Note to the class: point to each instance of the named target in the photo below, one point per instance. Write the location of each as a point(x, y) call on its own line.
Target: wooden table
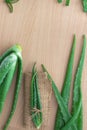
point(45, 31)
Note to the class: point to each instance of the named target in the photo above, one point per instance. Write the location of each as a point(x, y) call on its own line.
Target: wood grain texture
point(45, 31)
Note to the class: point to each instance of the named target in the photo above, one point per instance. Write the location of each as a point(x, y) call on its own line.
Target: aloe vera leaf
point(84, 2)
point(5, 86)
point(64, 110)
point(67, 2)
point(59, 1)
point(9, 4)
point(59, 122)
point(77, 117)
point(5, 65)
point(35, 100)
point(17, 50)
point(77, 88)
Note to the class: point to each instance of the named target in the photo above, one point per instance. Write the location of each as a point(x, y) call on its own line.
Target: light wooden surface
point(45, 31)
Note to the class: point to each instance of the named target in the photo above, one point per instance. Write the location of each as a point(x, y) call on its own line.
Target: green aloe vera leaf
point(64, 110)
point(35, 101)
point(5, 65)
point(77, 116)
point(77, 87)
point(67, 2)
point(10, 4)
point(16, 49)
point(84, 2)
point(59, 122)
point(5, 86)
